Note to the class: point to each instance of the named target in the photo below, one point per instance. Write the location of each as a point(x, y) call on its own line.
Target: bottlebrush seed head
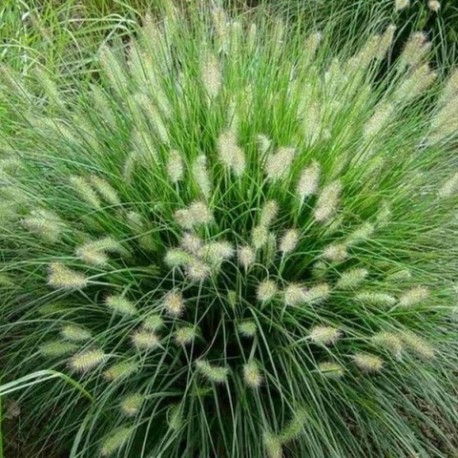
point(367, 362)
point(57, 348)
point(325, 335)
point(201, 175)
point(360, 234)
point(196, 214)
point(106, 191)
point(213, 373)
point(131, 404)
point(289, 241)
point(175, 168)
point(116, 440)
point(247, 328)
point(175, 257)
point(153, 322)
point(331, 370)
point(175, 417)
point(352, 278)
point(246, 256)
point(191, 243)
point(335, 252)
point(173, 303)
point(450, 187)
point(121, 305)
point(264, 144)
point(145, 340)
point(198, 270)
point(121, 370)
point(317, 293)
point(434, 5)
point(268, 213)
point(401, 4)
point(44, 224)
point(252, 375)
point(308, 181)
point(85, 191)
point(215, 253)
point(414, 296)
point(415, 49)
point(418, 345)
point(186, 335)
point(87, 360)
point(327, 202)
point(266, 290)
point(230, 153)
point(211, 75)
point(389, 341)
point(62, 277)
point(278, 164)
point(259, 236)
point(294, 294)
point(382, 114)
point(273, 445)
point(92, 256)
point(75, 333)
point(375, 298)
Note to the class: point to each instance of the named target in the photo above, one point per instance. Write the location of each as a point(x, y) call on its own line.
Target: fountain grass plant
point(235, 243)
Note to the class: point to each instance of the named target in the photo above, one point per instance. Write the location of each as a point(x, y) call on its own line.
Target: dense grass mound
point(233, 243)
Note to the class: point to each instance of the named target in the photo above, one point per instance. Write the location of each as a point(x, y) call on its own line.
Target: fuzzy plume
point(352, 278)
point(278, 164)
point(75, 333)
point(230, 153)
point(289, 241)
point(325, 335)
point(213, 373)
point(269, 212)
point(44, 224)
point(294, 294)
point(308, 181)
point(116, 440)
point(252, 375)
point(246, 256)
point(121, 305)
point(331, 370)
point(266, 290)
point(367, 362)
point(175, 168)
point(88, 360)
point(201, 175)
point(145, 340)
point(62, 277)
point(173, 303)
point(131, 404)
point(85, 191)
point(211, 75)
point(327, 201)
point(121, 370)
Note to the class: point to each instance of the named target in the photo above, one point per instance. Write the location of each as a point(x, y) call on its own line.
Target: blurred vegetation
point(351, 17)
point(68, 32)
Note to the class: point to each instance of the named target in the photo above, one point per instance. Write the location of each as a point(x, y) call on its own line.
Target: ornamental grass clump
point(239, 248)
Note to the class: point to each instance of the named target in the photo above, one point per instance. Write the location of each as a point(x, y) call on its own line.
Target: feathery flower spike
point(62, 277)
point(278, 164)
point(367, 362)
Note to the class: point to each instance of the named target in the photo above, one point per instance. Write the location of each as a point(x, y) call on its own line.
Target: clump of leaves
point(236, 243)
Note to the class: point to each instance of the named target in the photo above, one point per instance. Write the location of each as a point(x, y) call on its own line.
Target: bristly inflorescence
point(230, 237)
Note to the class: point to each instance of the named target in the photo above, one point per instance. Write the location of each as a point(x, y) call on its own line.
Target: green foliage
point(235, 243)
point(438, 19)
